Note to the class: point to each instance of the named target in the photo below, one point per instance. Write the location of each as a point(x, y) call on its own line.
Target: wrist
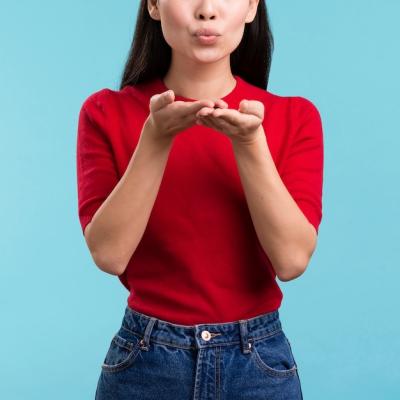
point(151, 133)
point(249, 139)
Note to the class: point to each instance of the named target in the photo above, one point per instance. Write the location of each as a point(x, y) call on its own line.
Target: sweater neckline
point(229, 96)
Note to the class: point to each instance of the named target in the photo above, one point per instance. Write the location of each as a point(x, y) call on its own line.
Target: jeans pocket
point(273, 355)
point(122, 351)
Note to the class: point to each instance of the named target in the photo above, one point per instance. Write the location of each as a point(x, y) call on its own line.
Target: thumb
point(253, 107)
point(244, 106)
point(160, 100)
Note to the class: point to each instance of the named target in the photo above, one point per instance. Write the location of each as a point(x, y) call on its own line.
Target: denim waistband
point(242, 332)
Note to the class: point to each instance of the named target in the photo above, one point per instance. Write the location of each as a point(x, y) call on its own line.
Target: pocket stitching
point(122, 342)
point(272, 371)
point(132, 348)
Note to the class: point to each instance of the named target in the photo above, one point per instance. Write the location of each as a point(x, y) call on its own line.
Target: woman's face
point(181, 18)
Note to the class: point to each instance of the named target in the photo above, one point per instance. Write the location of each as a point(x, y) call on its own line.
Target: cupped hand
point(239, 125)
point(169, 117)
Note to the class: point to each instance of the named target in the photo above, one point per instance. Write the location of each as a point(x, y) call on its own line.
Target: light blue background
point(59, 311)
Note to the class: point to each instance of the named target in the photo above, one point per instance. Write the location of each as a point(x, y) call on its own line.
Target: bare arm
point(118, 225)
point(284, 232)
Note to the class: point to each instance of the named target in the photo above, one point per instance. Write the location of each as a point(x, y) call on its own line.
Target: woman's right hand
point(169, 117)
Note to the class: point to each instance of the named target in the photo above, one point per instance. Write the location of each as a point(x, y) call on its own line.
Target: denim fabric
point(152, 359)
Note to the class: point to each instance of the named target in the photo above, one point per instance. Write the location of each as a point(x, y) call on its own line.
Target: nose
point(206, 16)
point(206, 10)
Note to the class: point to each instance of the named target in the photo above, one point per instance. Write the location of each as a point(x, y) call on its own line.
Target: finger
point(220, 124)
point(231, 116)
point(191, 109)
point(204, 121)
point(160, 100)
point(197, 105)
point(252, 107)
point(219, 112)
point(205, 111)
point(221, 103)
point(210, 122)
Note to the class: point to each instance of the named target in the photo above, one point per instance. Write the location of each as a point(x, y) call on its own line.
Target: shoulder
point(289, 111)
point(97, 98)
point(100, 100)
point(303, 107)
point(103, 107)
point(97, 114)
point(95, 106)
point(297, 110)
point(293, 105)
point(109, 102)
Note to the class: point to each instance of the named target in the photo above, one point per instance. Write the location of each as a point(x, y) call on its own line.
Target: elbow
point(296, 267)
point(289, 273)
point(102, 259)
point(108, 265)
point(289, 276)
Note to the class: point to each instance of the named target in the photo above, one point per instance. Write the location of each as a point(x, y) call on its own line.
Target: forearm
point(284, 232)
point(118, 225)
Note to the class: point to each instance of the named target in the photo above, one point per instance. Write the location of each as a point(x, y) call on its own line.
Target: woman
point(197, 187)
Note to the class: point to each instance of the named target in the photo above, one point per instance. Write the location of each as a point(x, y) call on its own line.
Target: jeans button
point(206, 335)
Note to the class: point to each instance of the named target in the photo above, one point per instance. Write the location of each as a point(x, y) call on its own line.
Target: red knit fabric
point(199, 259)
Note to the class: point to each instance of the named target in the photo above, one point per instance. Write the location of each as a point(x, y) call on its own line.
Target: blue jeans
point(152, 359)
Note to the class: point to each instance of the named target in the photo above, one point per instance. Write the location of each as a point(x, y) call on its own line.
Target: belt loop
point(145, 342)
point(245, 344)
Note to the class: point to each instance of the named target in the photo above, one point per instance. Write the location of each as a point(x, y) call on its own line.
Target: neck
point(191, 80)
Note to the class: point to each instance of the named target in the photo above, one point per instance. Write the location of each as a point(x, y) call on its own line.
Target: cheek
point(235, 25)
point(235, 17)
point(175, 27)
point(234, 39)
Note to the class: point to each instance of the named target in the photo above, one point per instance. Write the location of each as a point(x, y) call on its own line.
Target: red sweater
point(199, 259)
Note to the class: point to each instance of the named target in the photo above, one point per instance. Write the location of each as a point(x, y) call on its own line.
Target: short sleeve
point(95, 165)
point(303, 170)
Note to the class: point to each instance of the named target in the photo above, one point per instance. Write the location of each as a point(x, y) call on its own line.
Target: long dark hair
point(150, 55)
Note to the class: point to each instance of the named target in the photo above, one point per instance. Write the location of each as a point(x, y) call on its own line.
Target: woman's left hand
point(239, 125)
